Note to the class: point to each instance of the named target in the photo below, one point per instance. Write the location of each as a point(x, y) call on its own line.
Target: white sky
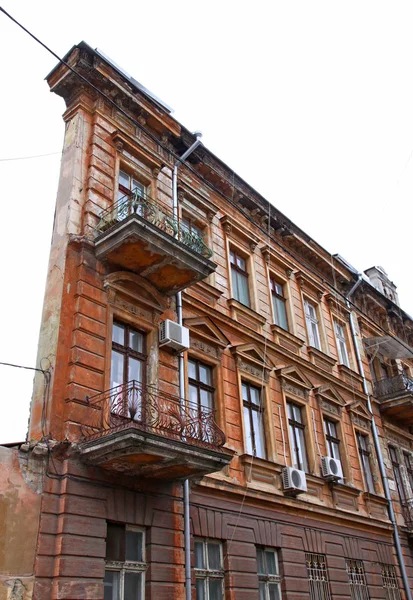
point(311, 102)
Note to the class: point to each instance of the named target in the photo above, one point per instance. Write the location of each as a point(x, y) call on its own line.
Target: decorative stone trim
point(251, 360)
point(345, 497)
point(320, 359)
point(206, 337)
point(123, 141)
point(234, 229)
point(286, 339)
point(261, 471)
point(351, 377)
point(293, 381)
point(309, 285)
point(205, 292)
point(376, 506)
point(360, 415)
point(245, 315)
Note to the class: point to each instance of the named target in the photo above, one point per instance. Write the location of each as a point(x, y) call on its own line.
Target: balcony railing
point(393, 386)
point(156, 214)
point(144, 408)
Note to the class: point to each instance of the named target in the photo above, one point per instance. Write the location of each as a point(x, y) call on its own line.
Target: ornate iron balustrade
point(154, 213)
point(391, 386)
point(143, 407)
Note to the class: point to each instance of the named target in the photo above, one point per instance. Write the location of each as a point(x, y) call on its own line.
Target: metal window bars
point(317, 576)
point(134, 405)
point(141, 205)
point(357, 579)
point(390, 584)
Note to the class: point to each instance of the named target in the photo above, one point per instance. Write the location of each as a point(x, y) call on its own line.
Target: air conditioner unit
point(294, 481)
point(173, 335)
point(331, 468)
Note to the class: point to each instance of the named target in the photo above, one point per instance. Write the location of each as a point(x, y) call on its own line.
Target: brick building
point(273, 456)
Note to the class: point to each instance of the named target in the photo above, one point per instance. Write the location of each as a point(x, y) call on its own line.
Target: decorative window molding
point(321, 359)
point(237, 231)
point(295, 382)
point(277, 263)
point(250, 360)
point(329, 400)
point(309, 285)
point(205, 292)
point(126, 144)
point(206, 337)
point(360, 415)
point(195, 203)
point(246, 315)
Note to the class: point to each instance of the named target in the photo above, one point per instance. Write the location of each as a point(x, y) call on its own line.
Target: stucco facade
point(266, 311)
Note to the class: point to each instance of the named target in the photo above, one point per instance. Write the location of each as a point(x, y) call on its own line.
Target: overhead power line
point(28, 157)
point(298, 259)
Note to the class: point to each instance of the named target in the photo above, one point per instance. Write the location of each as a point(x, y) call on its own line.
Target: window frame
point(260, 410)
point(127, 566)
point(293, 424)
point(357, 579)
point(395, 462)
point(365, 458)
point(274, 282)
point(408, 463)
point(342, 343)
point(332, 440)
point(390, 581)
point(206, 574)
point(310, 321)
point(268, 579)
point(128, 352)
point(123, 190)
point(319, 585)
point(199, 385)
point(234, 251)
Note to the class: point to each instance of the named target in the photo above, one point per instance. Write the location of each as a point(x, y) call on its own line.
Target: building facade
point(294, 366)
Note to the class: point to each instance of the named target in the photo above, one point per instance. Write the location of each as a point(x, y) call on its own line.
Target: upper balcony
point(141, 235)
point(396, 397)
point(140, 431)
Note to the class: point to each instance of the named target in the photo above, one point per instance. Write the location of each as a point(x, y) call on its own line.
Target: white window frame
point(266, 578)
point(341, 341)
point(207, 574)
point(312, 323)
point(127, 566)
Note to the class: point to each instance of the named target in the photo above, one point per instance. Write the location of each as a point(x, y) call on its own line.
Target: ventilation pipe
point(187, 526)
point(377, 446)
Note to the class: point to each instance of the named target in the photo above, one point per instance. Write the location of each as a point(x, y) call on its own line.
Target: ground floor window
point(125, 563)
point(209, 570)
point(317, 576)
point(357, 579)
point(269, 580)
point(390, 585)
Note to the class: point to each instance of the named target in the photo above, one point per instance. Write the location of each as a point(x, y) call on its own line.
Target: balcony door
point(127, 374)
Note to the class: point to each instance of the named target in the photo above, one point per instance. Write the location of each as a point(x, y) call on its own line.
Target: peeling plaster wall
point(20, 499)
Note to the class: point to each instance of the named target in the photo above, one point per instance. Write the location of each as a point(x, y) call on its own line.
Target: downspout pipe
point(377, 447)
point(187, 525)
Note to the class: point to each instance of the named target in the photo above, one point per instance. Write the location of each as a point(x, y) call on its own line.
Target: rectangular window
point(408, 461)
point(364, 453)
point(239, 278)
point(269, 580)
point(279, 304)
point(357, 579)
point(312, 325)
point(128, 355)
point(390, 584)
point(209, 570)
point(125, 563)
point(128, 184)
point(332, 439)
point(341, 344)
point(201, 390)
point(317, 576)
point(397, 474)
point(297, 436)
point(253, 420)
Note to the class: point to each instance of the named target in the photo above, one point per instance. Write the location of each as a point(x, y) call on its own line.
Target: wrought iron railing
point(156, 214)
point(391, 386)
point(143, 407)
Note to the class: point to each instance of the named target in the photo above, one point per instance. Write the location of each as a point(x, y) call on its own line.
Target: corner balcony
point(141, 431)
point(140, 235)
point(396, 397)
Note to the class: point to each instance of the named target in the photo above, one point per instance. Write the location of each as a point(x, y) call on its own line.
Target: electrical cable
point(29, 157)
point(300, 259)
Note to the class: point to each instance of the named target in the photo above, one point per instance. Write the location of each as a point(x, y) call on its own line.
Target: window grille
point(390, 584)
point(317, 576)
point(357, 579)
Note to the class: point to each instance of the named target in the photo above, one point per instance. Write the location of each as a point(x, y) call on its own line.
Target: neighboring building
point(273, 429)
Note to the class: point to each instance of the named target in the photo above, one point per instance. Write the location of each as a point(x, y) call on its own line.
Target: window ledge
point(261, 470)
point(315, 486)
point(376, 506)
point(350, 376)
point(245, 315)
point(286, 339)
point(345, 496)
point(320, 359)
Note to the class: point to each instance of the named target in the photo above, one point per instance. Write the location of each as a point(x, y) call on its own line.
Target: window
point(201, 391)
point(397, 474)
point(357, 579)
point(408, 461)
point(364, 453)
point(312, 325)
point(128, 184)
point(390, 585)
point(253, 413)
point(317, 576)
point(341, 344)
point(278, 304)
point(269, 580)
point(209, 571)
point(297, 436)
point(128, 355)
point(125, 563)
point(239, 278)
point(332, 439)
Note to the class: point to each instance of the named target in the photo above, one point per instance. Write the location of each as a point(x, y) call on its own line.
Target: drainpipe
point(187, 527)
point(377, 447)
